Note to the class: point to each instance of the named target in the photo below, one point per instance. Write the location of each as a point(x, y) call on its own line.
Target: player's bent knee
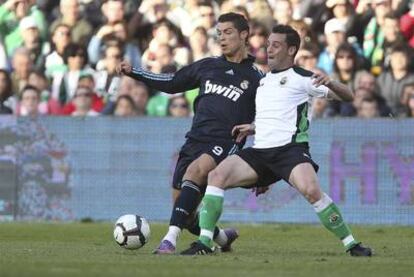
point(217, 178)
point(312, 193)
point(195, 172)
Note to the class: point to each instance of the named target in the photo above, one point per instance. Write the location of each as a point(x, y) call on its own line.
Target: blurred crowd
point(59, 57)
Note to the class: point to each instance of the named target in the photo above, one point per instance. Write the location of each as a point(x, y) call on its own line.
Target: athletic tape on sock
point(322, 203)
point(206, 233)
point(214, 191)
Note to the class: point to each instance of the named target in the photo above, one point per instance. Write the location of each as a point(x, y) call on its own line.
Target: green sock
point(212, 206)
point(331, 218)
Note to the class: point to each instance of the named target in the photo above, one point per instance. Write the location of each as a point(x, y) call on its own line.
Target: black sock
point(194, 229)
point(186, 204)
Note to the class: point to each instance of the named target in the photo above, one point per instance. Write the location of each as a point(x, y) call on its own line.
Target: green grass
point(88, 249)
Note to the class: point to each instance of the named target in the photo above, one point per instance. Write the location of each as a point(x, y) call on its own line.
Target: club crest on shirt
point(244, 84)
point(283, 81)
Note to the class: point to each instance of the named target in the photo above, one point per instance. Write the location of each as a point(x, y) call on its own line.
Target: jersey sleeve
point(186, 78)
point(312, 90)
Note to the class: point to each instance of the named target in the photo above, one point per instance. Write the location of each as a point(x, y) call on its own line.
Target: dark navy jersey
point(226, 97)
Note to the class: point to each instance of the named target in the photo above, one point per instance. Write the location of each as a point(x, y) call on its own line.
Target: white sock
point(173, 234)
point(221, 238)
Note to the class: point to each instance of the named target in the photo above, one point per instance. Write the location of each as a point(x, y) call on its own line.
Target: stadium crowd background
point(59, 57)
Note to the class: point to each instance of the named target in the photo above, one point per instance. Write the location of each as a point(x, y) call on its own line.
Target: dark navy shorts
point(274, 164)
point(193, 149)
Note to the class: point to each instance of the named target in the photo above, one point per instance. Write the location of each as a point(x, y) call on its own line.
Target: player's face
point(229, 38)
point(279, 55)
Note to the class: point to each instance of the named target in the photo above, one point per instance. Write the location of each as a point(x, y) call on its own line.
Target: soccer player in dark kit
point(226, 98)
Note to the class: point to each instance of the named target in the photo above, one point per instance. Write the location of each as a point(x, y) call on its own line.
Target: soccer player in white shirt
point(280, 150)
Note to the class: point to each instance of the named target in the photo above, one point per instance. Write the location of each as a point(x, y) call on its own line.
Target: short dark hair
point(238, 20)
point(292, 36)
point(29, 87)
point(74, 49)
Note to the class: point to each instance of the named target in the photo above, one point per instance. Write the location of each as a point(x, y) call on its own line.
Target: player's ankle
point(206, 241)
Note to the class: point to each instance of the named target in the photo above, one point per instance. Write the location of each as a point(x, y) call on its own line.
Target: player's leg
point(192, 188)
point(232, 172)
point(303, 177)
point(193, 172)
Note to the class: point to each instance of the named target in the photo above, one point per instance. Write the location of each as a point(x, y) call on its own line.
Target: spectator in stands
point(29, 103)
point(38, 80)
point(408, 92)
point(183, 16)
point(407, 25)
point(105, 35)
point(374, 35)
point(33, 42)
point(163, 58)
point(178, 106)
point(106, 67)
point(345, 12)
point(366, 81)
point(22, 65)
point(64, 85)
point(307, 57)
point(206, 17)
point(83, 102)
point(257, 37)
point(199, 44)
point(282, 12)
point(86, 80)
point(11, 12)
point(125, 106)
point(368, 109)
point(165, 33)
point(335, 36)
point(81, 29)
point(140, 95)
point(5, 91)
point(392, 81)
point(410, 106)
point(345, 65)
point(307, 36)
point(60, 38)
point(4, 61)
point(320, 108)
point(392, 36)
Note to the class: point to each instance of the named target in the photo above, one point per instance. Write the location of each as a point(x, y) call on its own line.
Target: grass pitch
point(88, 249)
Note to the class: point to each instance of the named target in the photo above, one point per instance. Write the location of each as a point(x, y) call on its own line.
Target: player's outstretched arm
point(240, 132)
point(181, 81)
point(337, 90)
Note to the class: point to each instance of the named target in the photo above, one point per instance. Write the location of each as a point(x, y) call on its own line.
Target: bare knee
point(196, 173)
point(217, 178)
point(312, 193)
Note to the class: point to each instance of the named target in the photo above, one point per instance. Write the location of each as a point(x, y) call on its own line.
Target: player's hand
point(239, 132)
point(320, 78)
point(124, 67)
point(260, 190)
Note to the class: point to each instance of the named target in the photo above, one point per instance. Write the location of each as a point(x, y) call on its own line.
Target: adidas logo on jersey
point(231, 92)
point(230, 72)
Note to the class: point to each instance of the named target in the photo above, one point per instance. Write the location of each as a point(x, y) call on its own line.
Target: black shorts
point(193, 149)
point(274, 164)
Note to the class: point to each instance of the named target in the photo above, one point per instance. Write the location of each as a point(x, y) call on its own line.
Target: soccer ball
point(131, 231)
